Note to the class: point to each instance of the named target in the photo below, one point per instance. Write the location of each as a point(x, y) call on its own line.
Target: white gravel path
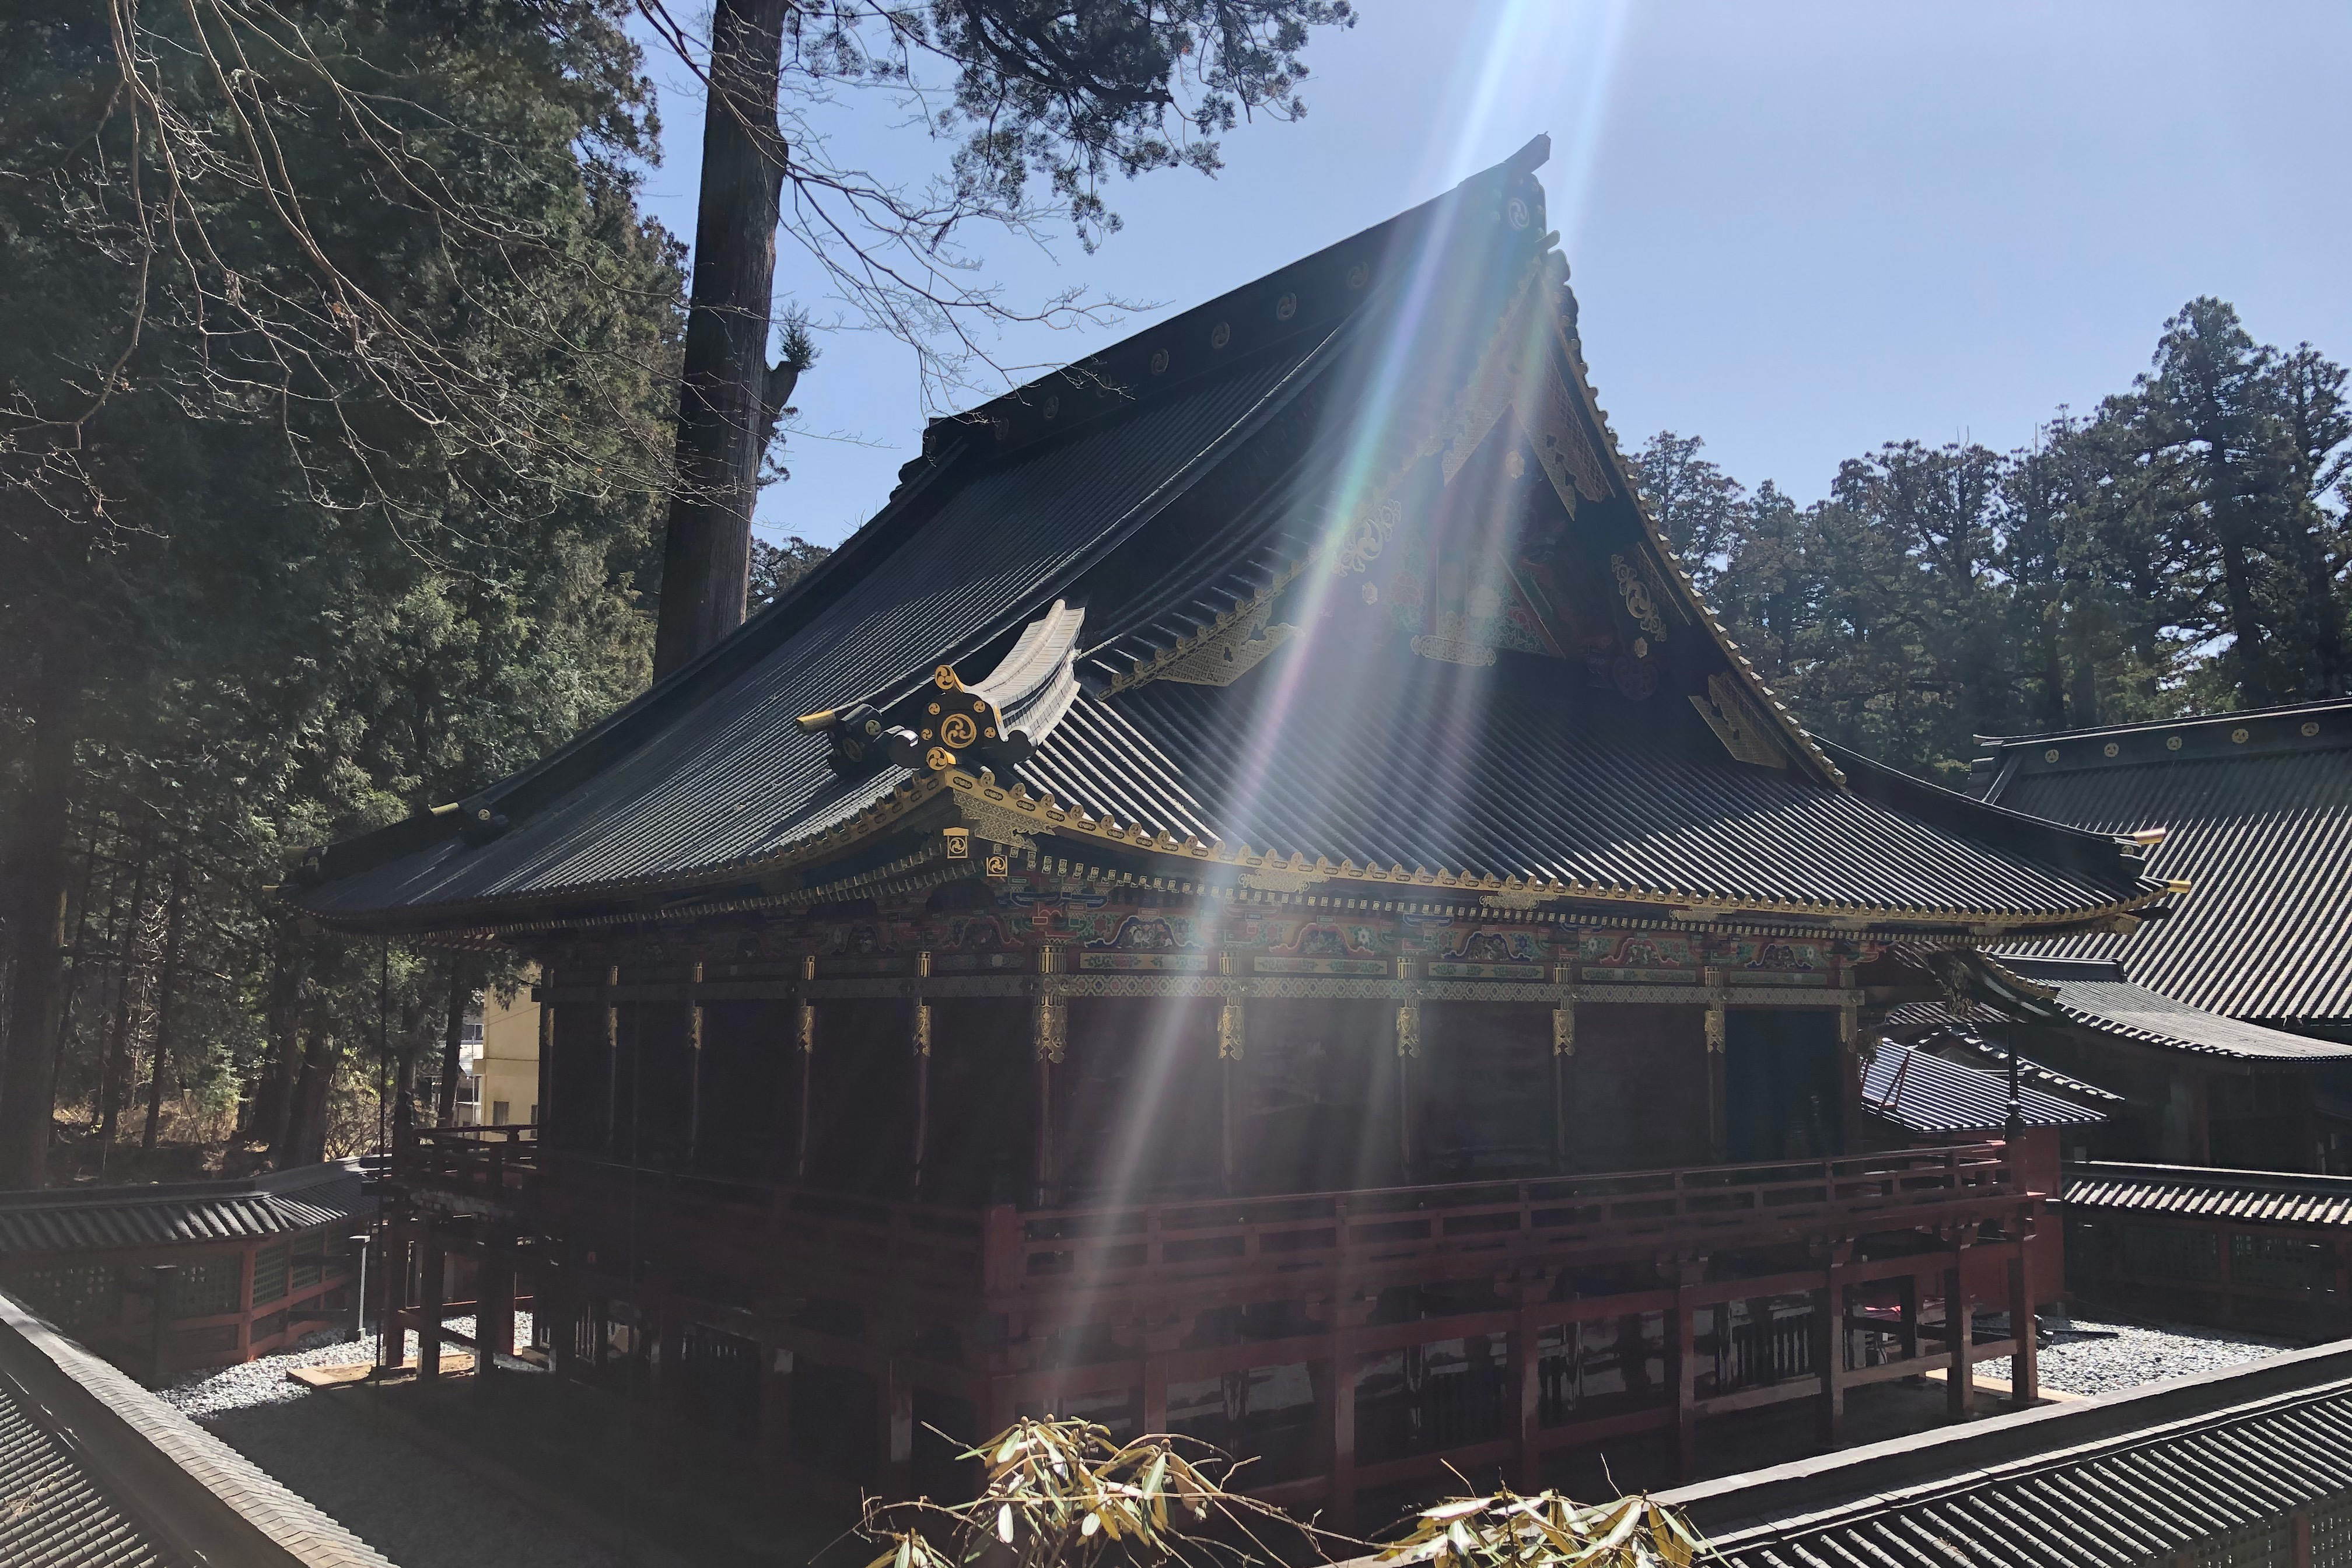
point(2091, 1355)
point(415, 1506)
point(201, 1395)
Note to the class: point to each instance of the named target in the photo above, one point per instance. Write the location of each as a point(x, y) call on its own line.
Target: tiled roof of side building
point(1245, 463)
point(2256, 809)
point(96, 1219)
point(1929, 1096)
point(2097, 996)
point(2199, 1192)
point(2207, 1468)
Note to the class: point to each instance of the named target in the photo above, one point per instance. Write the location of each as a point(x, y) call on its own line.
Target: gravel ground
point(2090, 1355)
point(204, 1394)
point(416, 1506)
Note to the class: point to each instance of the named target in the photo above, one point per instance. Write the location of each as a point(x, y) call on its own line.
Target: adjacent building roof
point(1929, 1096)
point(1359, 591)
point(96, 1472)
point(2203, 1465)
point(2254, 1198)
point(98, 1219)
point(2094, 994)
point(2257, 810)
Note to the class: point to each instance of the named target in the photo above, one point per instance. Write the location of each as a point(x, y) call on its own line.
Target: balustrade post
point(1526, 1369)
point(1830, 1344)
point(1682, 1372)
point(434, 1274)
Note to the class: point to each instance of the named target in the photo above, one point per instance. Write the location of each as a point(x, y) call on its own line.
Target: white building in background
point(500, 1053)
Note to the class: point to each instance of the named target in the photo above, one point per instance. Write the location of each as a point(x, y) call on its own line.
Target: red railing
point(495, 1163)
point(1009, 1253)
point(1149, 1245)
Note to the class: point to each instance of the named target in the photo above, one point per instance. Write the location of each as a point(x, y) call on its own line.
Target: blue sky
point(1799, 230)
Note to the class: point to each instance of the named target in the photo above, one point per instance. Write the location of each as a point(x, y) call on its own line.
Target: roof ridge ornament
point(950, 723)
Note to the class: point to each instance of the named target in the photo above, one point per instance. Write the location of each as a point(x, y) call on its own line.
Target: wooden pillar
point(694, 1067)
point(1853, 1050)
point(1718, 1135)
point(433, 1275)
point(2300, 1523)
point(2025, 1363)
point(1958, 1370)
point(1408, 1051)
point(538, 1112)
point(612, 1061)
point(776, 1415)
point(1232, 1029)
point(1563, 1069)
point(918, 1032)
point(804, 1035)
point(1909, 1333)
point(245, 1301)
point(1051, 1037)
point(898, 1410)
point(1829, 1344)
point(392, 1265)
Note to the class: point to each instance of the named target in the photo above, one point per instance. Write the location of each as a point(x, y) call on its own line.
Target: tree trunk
point(306, 1106)
point(723, 415)
point(461, 997)
point(273, 1103)
point(36, 905)
point(164, 997)
point(114, 1065)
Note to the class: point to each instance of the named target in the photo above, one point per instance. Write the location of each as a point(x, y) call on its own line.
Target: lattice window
point(207, 1289)
point(2163, 1252)
point(2267, 1545)
point(270, 1271)
point(2280, 1262)
point(2331, 1534)
point(75, 1296)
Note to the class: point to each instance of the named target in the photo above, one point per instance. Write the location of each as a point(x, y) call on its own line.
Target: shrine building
point(1251, 900)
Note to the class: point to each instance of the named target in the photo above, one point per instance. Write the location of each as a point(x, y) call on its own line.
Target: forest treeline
point(2182, 548)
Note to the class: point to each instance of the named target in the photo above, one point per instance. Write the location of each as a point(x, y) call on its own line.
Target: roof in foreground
point(1927, 1095)
point(98, 1219)
point(96, 1472)
point(1359, 591)
point(2114, 1481)
point(2198, 1192)
point(2256, 809)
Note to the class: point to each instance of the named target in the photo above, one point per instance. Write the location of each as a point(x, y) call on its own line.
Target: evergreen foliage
point(2183, 549)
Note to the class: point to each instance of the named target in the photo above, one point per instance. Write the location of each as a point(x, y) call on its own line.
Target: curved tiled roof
point(1173, 486)
point(2256, 809)
point(96, 1219)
